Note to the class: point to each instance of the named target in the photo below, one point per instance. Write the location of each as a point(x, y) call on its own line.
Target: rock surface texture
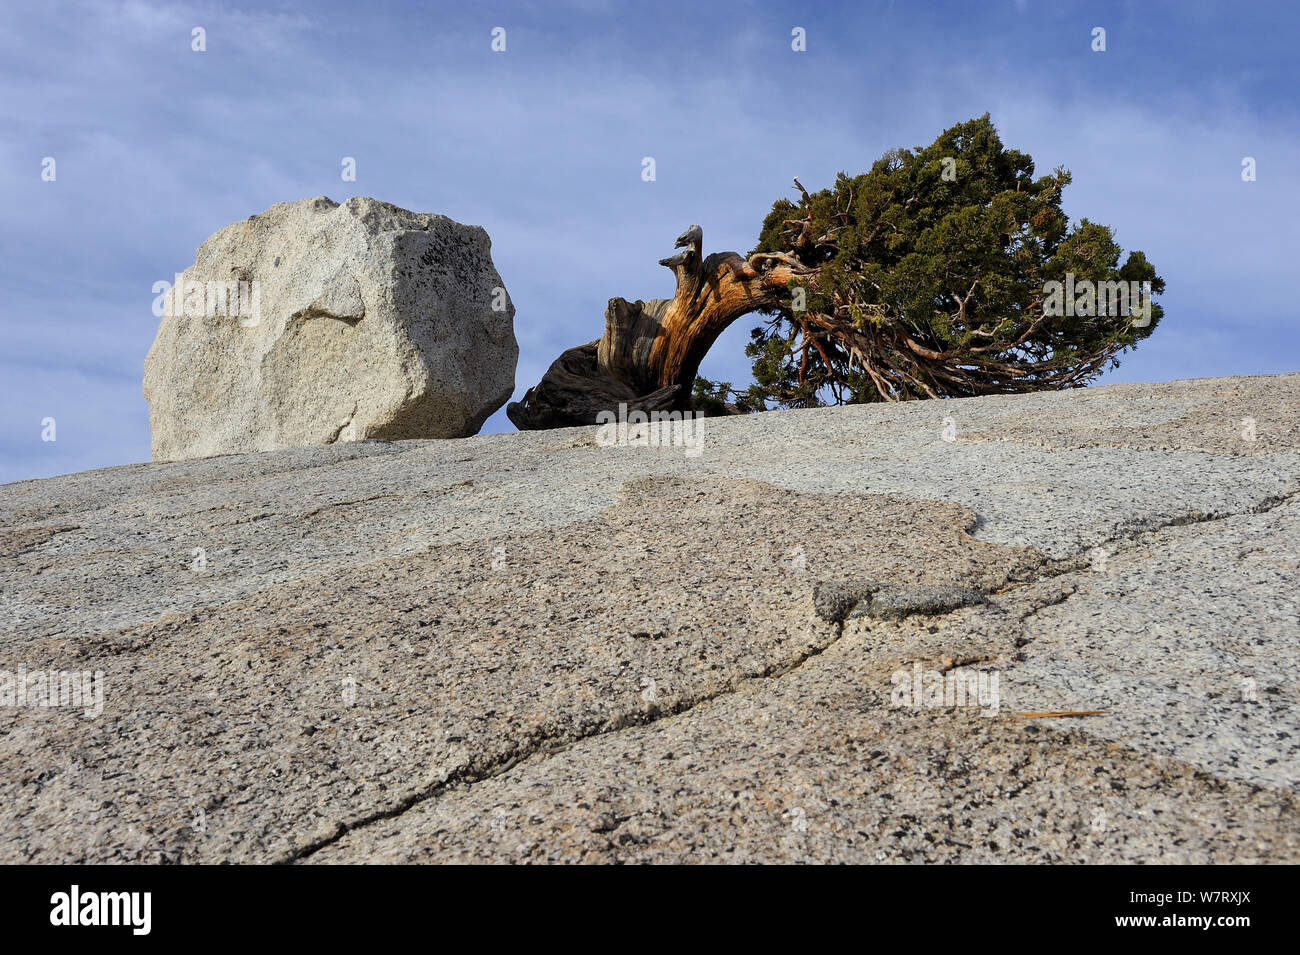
point(318, 323)
point(536, 648)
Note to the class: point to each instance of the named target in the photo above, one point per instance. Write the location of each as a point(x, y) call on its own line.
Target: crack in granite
point(557, 745)
point(544, 747)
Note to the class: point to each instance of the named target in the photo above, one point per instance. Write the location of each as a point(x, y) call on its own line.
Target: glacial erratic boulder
point(313, 323)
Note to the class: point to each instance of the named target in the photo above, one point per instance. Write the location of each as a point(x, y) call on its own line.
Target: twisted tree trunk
point(651, 351)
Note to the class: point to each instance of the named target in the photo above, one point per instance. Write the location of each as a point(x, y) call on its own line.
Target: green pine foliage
point(929, 277)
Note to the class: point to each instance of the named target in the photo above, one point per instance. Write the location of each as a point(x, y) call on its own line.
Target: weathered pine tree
point(941, 272)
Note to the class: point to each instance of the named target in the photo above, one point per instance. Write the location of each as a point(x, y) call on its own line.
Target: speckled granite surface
point(531, 647)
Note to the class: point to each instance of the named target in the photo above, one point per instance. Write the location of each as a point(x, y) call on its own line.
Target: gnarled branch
point(651, 351)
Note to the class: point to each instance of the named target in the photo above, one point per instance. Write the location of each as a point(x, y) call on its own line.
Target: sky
point(157, 146)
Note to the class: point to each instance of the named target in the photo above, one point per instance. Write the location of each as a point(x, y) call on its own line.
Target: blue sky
point(158, 146)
